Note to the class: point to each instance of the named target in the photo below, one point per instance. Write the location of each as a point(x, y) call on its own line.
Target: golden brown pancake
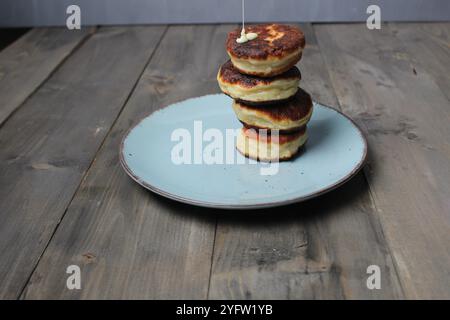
point(264, 146)
point(287, 116)
point(276, 49)
point(256, 90)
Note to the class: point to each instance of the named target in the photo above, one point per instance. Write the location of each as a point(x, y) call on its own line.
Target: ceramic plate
point(335, 151)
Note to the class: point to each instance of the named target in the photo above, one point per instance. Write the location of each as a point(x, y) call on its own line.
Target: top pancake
point(274, 40)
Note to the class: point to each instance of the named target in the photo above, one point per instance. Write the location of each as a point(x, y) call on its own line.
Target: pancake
point(286, 116)
point(263, 146)
point(276, 49)
point(256, 90)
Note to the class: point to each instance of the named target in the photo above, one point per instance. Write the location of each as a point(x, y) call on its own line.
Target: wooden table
point(67, 98)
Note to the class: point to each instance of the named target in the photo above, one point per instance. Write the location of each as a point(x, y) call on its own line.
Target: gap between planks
point(364, 173)
point(93, 160)
point(407, 234)
point(35, 149)
point(14, 106)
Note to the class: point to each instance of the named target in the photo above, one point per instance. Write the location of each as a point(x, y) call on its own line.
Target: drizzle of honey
point(245, 36)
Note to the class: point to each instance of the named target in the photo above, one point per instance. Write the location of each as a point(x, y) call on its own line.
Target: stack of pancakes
point(263, 80)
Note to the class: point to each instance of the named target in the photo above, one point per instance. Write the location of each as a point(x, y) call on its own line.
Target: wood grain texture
point(129, 242)
point(319, 249)
point(29, 61)
point(406, 117)
point(428, 48)
point(49, 143)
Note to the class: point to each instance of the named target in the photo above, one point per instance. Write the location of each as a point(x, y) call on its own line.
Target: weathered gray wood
point(129, 242)
point(406, 118)
point(133, 244)
point(49, 143)
point(427, 46)
point(318, 249)
point(29, 61)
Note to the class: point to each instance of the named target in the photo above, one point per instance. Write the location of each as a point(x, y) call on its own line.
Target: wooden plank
point(128, 242)
point(406, 117)
point(319, 249)
point(428, 47)
point(29, 61)
point(48, 144)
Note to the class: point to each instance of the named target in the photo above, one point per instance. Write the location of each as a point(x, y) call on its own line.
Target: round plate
point(335, 151)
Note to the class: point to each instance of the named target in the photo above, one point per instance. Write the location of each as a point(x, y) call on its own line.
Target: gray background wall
point(105, 12)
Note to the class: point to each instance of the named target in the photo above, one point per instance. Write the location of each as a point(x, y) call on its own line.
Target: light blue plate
point(334, 152)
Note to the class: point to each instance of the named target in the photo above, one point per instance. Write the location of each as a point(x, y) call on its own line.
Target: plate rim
point(207, 204)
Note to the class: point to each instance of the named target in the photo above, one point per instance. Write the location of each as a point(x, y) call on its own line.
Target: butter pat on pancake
point(276, 49)
point(254, 89)
point(286, 116)
point(264, 146)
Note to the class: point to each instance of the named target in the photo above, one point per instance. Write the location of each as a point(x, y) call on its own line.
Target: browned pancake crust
point(259, 48)
point(293, 109)
point(289, 131)
point(228, 73)
point(252, 133)
point(260, 103)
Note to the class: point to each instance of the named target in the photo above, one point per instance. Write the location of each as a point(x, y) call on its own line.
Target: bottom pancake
point(269, 147)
